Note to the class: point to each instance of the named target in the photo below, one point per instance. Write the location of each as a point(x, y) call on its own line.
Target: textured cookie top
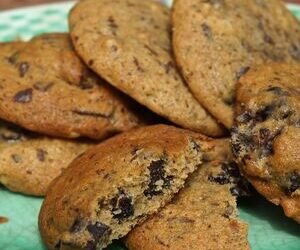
point(127, 42)
point(46, 88)
point(29, 162)
point(202, 216)
point(118, 184)
point(266, 136)
point(216, 41)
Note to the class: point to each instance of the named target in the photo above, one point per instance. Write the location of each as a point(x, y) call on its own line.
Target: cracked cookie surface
point(266, 134)
point(203, 215)
point(29, 162)
point(216, 41)
point(46, 88)
point(128, 43)
point(117, 185)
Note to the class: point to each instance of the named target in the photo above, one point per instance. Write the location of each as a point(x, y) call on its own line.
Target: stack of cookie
point(208, 67)
point(47, 90)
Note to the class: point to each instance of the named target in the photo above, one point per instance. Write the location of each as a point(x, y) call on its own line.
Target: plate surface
point(268, 228)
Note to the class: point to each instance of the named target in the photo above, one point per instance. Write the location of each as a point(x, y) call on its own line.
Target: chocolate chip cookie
point(266, 135)
point(46, 88)
point(128, 43)
point(217, 41)
point(116, 185)
point(203, 215)
point(29, 162)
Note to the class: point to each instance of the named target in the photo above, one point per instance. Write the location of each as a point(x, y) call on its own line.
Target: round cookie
point(215, 42)
point(203, 215)
point(46, 88)
point(266, 135)
point(128, 43)
point(116, 185)
point(29, 162)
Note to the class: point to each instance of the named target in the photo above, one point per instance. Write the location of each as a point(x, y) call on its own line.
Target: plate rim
point(71, 3)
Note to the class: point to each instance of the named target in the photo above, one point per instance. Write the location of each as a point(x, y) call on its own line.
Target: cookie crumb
point(23, 96)
point(3, 219)
point(23, 68)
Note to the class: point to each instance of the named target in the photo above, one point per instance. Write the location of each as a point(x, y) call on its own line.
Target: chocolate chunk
point(13, 58)
point(122, 206)
point(286, 113)
point(99, 231)
point(264, 134)
point(16, 158)
point(221, 178)
point(137, 64)
point(243, 139)
point(206, 31)
point(234, 129)
point(23, 68)
point(264, 113)
point(232, 169)
point(294, 181)
point(23, 96)
point(229, 100)
point(242, 71)
point(77, 226)
point(43, 87)
point(236, 148)
point(90, 113)
point(244, 117)
point(277, 90)
point(41, 154)
point(158, 179)
point(266, 139)
point(231, 175)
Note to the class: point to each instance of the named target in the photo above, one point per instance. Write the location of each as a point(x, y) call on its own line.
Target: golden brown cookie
point(128, 43)
point(217, 41)
point(29, 162)
point(46, 88)
point(117, 185)
point(266, 135)
point(203, 215)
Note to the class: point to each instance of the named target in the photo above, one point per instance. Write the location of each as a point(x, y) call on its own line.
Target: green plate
point(268, 228)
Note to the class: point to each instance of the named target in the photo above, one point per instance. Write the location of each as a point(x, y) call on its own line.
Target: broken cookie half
point(118, 184)
point(203, 215)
